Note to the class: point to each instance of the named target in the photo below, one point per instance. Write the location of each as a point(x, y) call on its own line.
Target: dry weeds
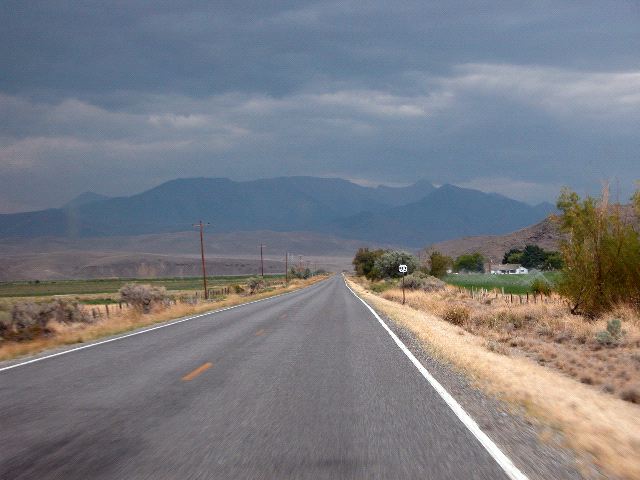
point(131, 319)
point(594, 422)
point(546, 333)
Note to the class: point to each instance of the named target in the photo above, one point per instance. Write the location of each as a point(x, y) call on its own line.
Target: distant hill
point(447, 212)
point(544, 234)
point(412, 216)
point(84, 199)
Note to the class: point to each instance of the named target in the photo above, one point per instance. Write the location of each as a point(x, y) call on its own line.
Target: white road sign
point(403, 269)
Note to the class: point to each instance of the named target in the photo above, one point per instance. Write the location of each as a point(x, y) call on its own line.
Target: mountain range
point(413, 216)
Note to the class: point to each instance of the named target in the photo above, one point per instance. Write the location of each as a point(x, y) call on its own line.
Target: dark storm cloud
point(119, 97)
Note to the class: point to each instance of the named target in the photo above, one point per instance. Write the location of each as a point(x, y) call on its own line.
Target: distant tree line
point(533, 256)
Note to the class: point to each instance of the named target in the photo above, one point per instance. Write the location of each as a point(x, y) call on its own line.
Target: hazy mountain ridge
point(448, 212)
point(414, 215)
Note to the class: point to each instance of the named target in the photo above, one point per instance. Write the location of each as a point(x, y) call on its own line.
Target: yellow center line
point(197, 371)
point(260, 332)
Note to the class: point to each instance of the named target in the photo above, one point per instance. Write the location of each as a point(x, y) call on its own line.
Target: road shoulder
point(533, 446)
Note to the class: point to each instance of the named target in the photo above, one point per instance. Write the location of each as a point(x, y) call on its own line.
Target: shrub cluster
point(541, 286)
point(457, 315)
point(613, 334)
point(29, 320)
point(302, 273)
point(143, 297)
point(378, 264)
point(255, 284)
point(422, 281)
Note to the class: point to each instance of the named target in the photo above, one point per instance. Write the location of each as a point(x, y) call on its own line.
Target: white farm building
point(508, 269)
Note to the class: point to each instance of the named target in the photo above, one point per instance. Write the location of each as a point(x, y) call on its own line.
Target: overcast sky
point(116, 97)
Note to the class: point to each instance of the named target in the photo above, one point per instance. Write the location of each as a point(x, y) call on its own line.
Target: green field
point(518, 284)
point(112, 285)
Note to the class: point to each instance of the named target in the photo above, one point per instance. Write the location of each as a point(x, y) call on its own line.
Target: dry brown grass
point(130, 320)
point(546, 333)
point(594, 423)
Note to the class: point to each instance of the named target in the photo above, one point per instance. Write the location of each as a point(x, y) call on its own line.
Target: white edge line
point(139, 332)
point(503, 461)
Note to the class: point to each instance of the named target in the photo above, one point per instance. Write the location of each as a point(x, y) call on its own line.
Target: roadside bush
point(433, 284)
point(631, 394)
point(142, 297)
point(30, 320)
point(612, 335)
point(380, 287)
point(456, 315)
point(387, 264)
point(601, 251)
point(414, 282)
point(541, 286)
point(364, 262)
point(237, 289)
point(301, 273)
point(255, 284)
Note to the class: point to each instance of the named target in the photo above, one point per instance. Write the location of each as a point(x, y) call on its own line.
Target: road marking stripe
point(172, 322)
point(197, 371)
point(503, 461)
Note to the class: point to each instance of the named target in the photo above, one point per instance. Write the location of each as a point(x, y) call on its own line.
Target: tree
point(471, 262)
point(364, 262)
point(601, 255)
point(533, 257)
point(387, 264)
point(553, 261)
point(512, 256)
point(439, 264)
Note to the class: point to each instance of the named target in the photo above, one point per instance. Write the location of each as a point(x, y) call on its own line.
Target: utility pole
point(261, 261)
point(286, 268)
point(204, 268)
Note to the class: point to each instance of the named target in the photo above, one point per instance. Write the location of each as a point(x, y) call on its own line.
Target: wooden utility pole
point(204, 268)
point(286, 268)
point(261, 261)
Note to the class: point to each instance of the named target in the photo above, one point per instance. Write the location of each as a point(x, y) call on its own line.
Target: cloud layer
point(118, 100)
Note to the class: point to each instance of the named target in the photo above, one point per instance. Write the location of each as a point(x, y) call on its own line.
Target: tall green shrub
point(364, 262)
point(471, 262)
point(439, 264)
point(601, 254)
point(389, 262)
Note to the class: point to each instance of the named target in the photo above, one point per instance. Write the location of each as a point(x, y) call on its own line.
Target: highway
point(305, 385)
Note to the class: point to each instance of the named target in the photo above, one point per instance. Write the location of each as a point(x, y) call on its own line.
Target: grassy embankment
point(131, 319)
point(516, 284)
point(539, 357)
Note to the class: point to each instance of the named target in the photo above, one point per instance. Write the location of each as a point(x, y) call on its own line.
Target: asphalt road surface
point(306, 385)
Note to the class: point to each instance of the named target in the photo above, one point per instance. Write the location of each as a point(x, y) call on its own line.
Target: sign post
point(403, 270)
